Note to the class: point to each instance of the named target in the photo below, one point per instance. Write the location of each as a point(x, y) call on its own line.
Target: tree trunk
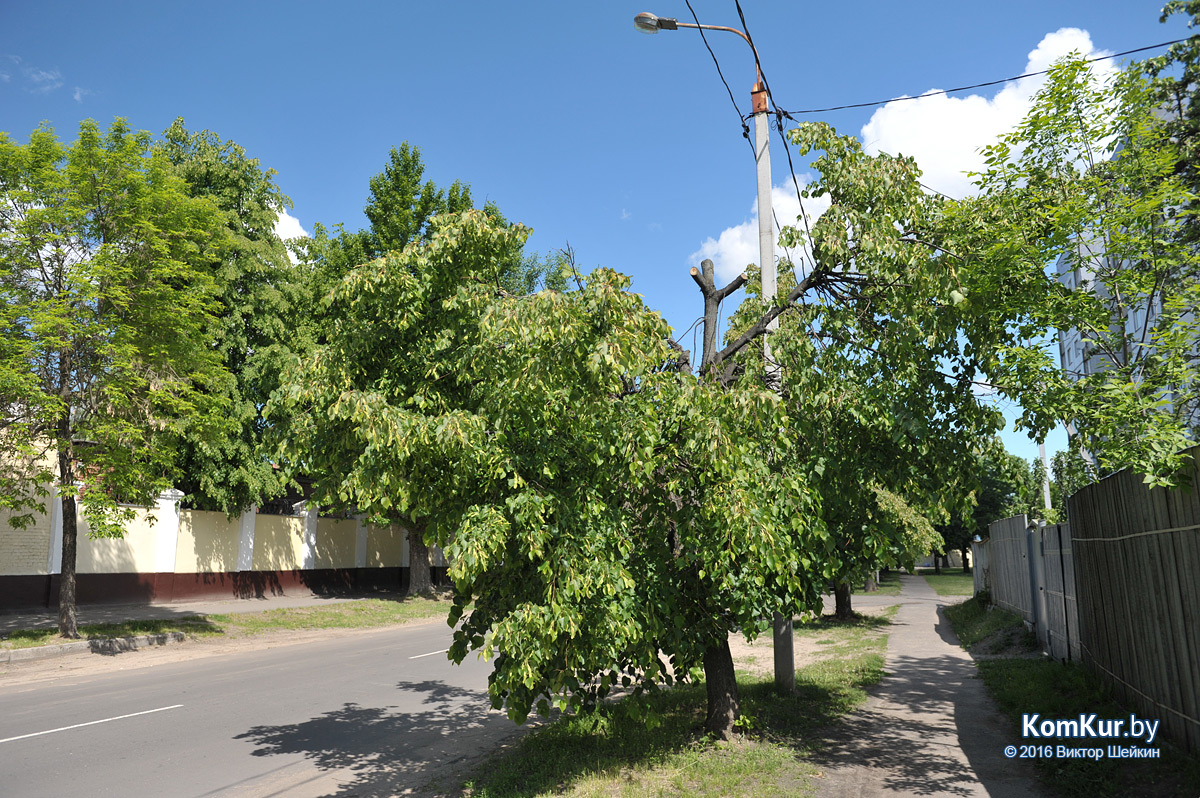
point(721, 687)
point(966, 562)
point(872, 582)
point(841, 594)
point(937, 563)
point(420, 582)
point(67, 625)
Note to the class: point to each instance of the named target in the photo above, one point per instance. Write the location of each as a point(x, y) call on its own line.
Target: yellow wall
point(386, 546)
point(208, 543)
point(278, 542)
point(25, 551)
point(336, 539)
point(133, 553)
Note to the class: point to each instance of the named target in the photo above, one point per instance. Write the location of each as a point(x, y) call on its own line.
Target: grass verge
point(889, 585)
point(360, 614)
point(608, 752)
point(949, 583)
point(1054, 690)
point(985, 630)
point(191, 625)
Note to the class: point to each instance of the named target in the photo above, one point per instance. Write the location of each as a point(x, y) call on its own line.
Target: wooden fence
point(1059, 607)
point(1118, 589)
point(1008, 566)
point(1137, 564)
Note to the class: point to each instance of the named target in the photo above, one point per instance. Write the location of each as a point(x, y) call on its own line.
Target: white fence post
point(54, 566)
point(308, 560)
point(360, 541)
point(167, 526)
point(245, 557)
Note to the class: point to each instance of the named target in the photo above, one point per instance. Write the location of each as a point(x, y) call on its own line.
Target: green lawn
point(191, 625)
point(612, 752)
point(950, 582)
point(889, 584)
point(1054, 690)
point(362, 614)
point(973, 621)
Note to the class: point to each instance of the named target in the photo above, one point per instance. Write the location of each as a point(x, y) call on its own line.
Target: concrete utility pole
point(1045, 475)
point(785, 666)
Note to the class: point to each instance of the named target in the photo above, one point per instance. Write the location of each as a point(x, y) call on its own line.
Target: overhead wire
point(781, 113)
point(741, 117)
point(779, 127)
point(745, 127)
point(985, 84)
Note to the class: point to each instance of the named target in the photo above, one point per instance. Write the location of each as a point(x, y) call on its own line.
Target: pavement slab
point(929, 727)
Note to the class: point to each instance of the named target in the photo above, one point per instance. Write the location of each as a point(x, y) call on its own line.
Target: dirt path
point(929, 728)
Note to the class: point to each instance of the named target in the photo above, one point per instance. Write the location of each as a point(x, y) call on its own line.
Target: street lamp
point(650, 23)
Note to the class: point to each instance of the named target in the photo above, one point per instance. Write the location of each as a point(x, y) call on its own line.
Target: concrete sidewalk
point(929, 728)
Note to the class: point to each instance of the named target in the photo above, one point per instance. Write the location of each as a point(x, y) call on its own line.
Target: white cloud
point(43, 80)
point(288, 226)
point(945, 133)
point(737, 246)
point(625, 215)
point(985, 390)
point(80, 93)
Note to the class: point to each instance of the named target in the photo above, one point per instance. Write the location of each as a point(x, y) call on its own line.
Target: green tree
point(604, 512)
point(1069, 472)
point(1004, 485)
point(1090, 177)
point(105, 363)
point(879, 356)
point(256, 324)
point(401, 207)
point(886, 437)
point(1177, 88)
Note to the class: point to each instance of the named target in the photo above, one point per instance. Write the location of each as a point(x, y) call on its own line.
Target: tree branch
point(814, 279)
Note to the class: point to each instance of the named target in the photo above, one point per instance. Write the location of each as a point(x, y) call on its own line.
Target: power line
point(790, 114)
point(745, 128)
point(779, 126)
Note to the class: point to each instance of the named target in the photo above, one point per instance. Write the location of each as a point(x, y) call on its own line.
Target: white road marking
point(90, 723)
point(430, 654)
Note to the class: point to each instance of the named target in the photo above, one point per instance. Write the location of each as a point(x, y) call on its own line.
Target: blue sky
point(624, 145)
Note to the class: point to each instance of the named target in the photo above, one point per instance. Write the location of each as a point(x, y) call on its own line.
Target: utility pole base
point(785, 660)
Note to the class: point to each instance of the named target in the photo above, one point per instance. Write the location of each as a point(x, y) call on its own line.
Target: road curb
point(101, 645)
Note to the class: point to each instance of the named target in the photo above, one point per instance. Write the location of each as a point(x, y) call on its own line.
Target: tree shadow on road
point(383, 751)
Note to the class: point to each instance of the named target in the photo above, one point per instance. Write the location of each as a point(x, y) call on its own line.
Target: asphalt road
point(373, 714)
